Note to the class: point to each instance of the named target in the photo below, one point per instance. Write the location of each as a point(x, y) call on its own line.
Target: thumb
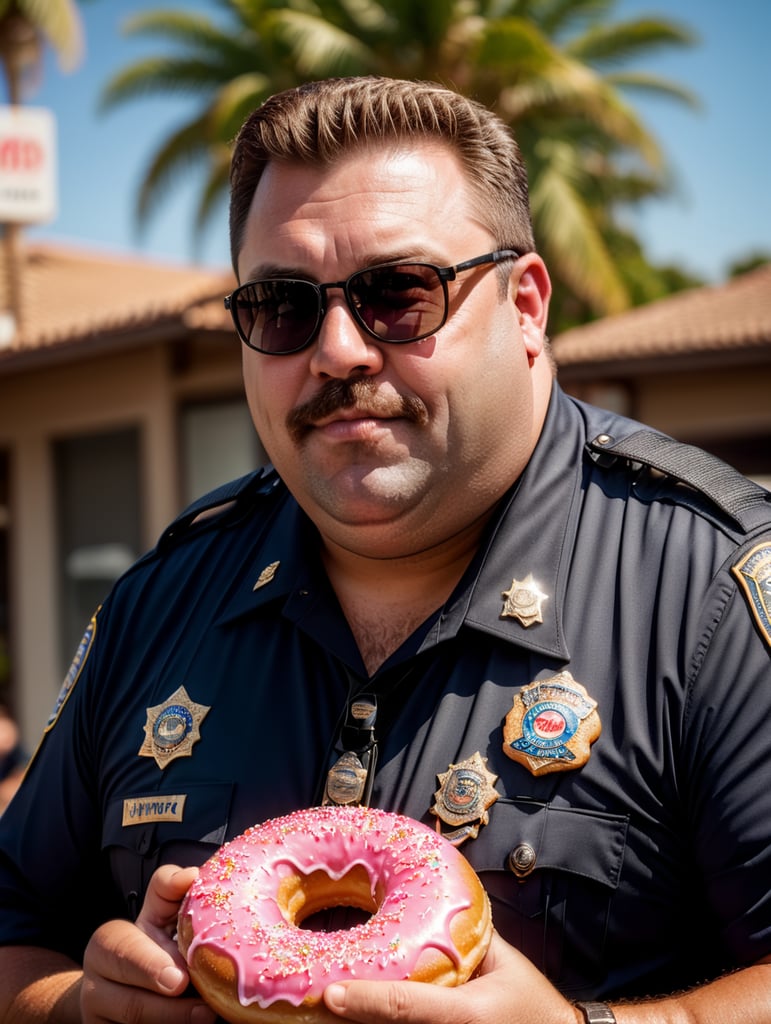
point(164, 895)
point(383, 1002)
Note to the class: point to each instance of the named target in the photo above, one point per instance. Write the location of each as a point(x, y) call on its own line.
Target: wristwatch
point(597, 1013)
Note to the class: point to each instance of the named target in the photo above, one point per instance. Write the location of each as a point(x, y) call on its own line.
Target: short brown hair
point(320, 122)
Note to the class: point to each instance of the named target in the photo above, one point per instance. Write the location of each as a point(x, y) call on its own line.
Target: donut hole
point(318, 902)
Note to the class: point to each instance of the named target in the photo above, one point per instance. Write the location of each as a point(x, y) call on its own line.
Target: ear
point(530, 278)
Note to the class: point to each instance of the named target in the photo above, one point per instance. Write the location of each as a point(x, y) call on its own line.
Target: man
point(561, 636)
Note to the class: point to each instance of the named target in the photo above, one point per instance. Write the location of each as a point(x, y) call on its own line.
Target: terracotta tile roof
point(728, 318)
point(72, 297)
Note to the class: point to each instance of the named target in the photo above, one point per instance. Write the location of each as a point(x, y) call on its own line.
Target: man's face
point(440, 427)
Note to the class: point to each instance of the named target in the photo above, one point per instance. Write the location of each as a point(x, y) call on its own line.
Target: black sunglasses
point(393, 302)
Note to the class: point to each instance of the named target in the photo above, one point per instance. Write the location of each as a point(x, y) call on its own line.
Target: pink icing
point(233, 908)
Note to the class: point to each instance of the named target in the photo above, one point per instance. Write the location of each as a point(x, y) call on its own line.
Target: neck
point(386, 599)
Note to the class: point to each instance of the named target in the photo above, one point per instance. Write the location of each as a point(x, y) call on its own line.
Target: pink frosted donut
point(239, 925)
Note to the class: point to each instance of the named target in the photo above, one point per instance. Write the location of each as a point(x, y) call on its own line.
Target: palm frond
point(615, 43)
point(59, 22)
point(214, 190)
point(570, 236)
point(160, 75)
point(570, 88)
point(653, 85)
point(182, 151)
point(560, 19)
point(317, 48)
point(236, 100)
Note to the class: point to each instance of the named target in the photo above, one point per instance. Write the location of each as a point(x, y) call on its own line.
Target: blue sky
point(720, 155)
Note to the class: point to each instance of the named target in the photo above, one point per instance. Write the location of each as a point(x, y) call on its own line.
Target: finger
point(388, 1002)
point(118, 1004)
point(121, 953)
point(158, 917)
point(128, 977)
point(165, 892)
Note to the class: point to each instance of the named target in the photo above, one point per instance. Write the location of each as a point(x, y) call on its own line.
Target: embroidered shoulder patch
point(754, 574)
point(73, 674)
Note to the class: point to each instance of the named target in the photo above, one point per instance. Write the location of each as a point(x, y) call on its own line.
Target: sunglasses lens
point(277, 317)
point(399, 303)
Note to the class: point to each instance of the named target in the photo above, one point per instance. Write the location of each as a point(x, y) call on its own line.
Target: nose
point(342, 348)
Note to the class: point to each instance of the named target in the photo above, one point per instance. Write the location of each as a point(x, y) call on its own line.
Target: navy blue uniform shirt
point(647, 868)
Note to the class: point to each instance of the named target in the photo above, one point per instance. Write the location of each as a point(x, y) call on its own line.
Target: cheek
point(271, 390)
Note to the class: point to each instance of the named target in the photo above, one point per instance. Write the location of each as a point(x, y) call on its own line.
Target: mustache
point(359, 392)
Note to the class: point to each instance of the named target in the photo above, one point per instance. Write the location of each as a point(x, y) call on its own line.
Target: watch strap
point(597, 1013)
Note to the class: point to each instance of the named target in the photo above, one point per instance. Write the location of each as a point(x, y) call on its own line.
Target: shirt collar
point(531, 539)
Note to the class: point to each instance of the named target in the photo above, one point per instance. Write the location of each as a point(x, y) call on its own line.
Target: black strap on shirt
point(725, 486)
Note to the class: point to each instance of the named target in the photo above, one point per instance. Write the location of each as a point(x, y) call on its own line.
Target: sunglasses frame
point(444, 274)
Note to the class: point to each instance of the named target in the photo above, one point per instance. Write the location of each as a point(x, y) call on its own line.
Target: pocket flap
point(538, 836)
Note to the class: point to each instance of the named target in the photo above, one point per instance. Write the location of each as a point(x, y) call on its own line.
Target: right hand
point(132, 973)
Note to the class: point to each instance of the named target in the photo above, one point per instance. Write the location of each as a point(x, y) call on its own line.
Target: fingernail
point(334, 997)
point(171, 978)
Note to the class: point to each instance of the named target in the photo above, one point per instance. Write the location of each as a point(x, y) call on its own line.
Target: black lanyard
point(351, 777)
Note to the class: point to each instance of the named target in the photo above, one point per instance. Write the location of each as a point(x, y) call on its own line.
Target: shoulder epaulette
point(738, 497)
point(236, 495)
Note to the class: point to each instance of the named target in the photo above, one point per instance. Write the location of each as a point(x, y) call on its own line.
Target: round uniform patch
point(547, 728)
point(172, 727)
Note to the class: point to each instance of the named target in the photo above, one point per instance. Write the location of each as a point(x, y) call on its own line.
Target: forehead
point(375, 203)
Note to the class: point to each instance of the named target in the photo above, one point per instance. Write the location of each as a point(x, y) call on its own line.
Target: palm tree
point(549, 67)
point(25, 27)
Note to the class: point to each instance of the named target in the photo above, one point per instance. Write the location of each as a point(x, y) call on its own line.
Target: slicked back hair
point(322, 122)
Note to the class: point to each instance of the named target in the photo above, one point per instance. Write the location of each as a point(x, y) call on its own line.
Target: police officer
point(537, 625)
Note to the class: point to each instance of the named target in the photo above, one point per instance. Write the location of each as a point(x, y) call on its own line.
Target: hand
point(507, 988)
point(131, 971)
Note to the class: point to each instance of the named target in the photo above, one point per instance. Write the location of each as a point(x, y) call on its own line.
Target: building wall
point(141, 388)
point(725, 410)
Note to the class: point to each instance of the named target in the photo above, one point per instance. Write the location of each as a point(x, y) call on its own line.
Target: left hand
point(130, 971)
point(508, 988)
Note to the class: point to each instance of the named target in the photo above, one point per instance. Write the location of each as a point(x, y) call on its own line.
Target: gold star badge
point(465, 792)
point(524, 601)
point(172, 728)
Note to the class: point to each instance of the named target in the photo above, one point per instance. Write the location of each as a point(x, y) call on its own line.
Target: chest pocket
point(551, 873)
point(144, 831)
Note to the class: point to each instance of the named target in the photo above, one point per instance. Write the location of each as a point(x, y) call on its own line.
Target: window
point(219, 443)
point(98, 506)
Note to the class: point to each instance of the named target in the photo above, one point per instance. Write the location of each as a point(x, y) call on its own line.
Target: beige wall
point(139, 388)
point(704, 404)
point(692, 406)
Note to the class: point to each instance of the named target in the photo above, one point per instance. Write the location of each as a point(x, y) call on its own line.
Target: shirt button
point(522, 860)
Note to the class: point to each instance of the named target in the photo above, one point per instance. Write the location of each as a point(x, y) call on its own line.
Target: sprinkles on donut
point(240, 925)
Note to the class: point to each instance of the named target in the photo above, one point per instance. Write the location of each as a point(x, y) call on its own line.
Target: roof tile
point(69, 295)
point(732, 316)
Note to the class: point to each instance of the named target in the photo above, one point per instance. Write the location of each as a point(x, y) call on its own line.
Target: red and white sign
point(27, 165)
